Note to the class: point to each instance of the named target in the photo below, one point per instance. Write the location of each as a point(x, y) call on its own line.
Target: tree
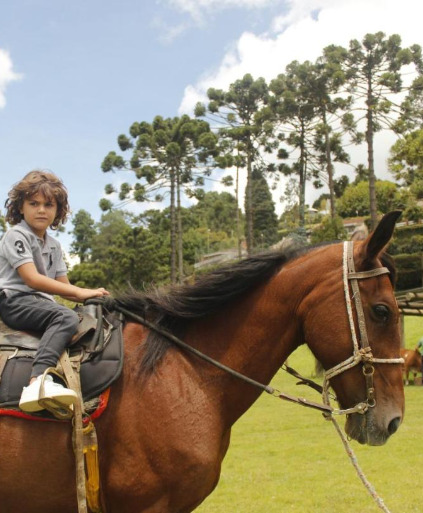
point(325, 81)
point(165, 157)
point(361, 174)
point(215, 211)
point(340, 184)
point(406, 158)
point(265, 222)
point(373, 68)
point(330, 229)
point(295, 110)
point(83, 233)
point(124, 254)
point(241, 128)
point(411, 117)
point(2, 225)
point(356, 202)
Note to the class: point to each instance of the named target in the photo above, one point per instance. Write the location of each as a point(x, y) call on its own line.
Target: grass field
point(286, 458)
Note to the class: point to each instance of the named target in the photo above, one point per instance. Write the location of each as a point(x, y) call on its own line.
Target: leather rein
point(361, 348)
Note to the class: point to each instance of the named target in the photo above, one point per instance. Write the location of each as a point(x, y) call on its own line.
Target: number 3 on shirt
point(20, 247)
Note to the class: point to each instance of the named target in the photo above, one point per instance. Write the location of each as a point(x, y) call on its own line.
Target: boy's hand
point(83, 294)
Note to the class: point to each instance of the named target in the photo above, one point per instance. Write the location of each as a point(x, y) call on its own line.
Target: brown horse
point(412, 363)
point(167, 427)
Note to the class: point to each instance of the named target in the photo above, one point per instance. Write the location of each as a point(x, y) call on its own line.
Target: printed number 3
point(20, 247)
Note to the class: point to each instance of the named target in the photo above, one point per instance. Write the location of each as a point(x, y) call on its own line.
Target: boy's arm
point(65, 279)
point(61, 287)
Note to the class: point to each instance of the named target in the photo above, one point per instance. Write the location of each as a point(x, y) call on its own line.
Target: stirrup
point(58, 409)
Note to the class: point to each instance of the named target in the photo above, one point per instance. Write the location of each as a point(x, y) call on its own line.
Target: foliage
point(2, 225)
point(167, 155)
point(355, 200)
point(292, 127)
point(374, 69)
point(265, 221)
point(330, 229)
point(414, 213)
point(123, 255)
point(215, 211)
point(242, 130)
point(406, 160)
point(90, 275)
point(83, 233)
point(293, 106)
point(410, 271)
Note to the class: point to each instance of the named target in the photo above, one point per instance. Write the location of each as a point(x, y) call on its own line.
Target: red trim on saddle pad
point(102, 405)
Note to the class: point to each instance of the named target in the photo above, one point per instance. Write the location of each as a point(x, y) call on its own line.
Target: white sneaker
point(30, 397)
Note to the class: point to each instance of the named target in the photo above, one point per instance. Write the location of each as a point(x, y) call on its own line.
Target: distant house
point(356, 228)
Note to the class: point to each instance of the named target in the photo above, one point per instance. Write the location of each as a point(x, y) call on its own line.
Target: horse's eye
point(381, 312)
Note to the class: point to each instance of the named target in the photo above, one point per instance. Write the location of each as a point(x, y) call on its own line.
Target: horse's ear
point(377, 240)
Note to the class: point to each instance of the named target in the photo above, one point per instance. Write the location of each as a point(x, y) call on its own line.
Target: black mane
point(171, 308)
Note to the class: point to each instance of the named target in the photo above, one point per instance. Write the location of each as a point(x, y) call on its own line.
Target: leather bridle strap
point(362, 351)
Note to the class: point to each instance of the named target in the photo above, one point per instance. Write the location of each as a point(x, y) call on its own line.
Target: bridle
point(362, 351)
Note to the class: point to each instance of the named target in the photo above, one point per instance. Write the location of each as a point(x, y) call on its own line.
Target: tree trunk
point(329, 168)
point(238, 220)
point(302, 175)
point(370, 156)
point(249, 201)
point(172, 228)
point(179, 229)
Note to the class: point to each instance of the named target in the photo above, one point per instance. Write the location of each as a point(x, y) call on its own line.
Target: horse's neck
point(254, 337)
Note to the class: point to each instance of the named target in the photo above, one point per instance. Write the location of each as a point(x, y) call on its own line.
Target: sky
point(75, 75)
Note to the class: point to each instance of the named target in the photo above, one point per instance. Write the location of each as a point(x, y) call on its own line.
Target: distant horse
point(166, 430)
point(412, 363)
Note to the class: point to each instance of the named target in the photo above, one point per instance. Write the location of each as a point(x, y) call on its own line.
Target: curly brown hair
point(49, 185)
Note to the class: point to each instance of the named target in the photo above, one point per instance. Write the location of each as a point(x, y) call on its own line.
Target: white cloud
point(199, 9)
point(7, 75)
point(301, 34)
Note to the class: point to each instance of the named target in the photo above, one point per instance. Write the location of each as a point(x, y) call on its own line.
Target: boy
point(32, 269)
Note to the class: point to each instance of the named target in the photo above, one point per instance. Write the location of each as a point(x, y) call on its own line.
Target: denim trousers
point(32, 312)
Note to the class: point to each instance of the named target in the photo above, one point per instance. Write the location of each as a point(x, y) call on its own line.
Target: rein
point(112, 305)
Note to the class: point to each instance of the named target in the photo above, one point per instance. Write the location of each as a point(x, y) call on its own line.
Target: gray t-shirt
point(19, 246)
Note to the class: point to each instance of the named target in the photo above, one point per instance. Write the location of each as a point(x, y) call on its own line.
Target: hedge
point(409, 271)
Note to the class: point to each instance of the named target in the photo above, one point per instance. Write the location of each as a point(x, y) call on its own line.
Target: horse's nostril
point(394, 425)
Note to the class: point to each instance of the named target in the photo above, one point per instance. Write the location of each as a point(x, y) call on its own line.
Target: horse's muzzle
point(366, 430)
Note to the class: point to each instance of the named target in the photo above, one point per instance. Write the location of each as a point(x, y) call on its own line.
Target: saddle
point(96, 351)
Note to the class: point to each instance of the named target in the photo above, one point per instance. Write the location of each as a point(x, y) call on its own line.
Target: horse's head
point(360, 350)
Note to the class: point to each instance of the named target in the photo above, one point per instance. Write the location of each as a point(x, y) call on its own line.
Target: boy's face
point(39, 213)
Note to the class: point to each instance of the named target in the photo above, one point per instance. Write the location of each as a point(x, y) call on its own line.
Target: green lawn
point(286, 458)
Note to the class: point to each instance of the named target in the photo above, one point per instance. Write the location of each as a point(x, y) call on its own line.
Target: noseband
point(362, 351)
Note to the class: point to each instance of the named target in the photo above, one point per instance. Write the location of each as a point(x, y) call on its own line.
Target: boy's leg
point(57, 322)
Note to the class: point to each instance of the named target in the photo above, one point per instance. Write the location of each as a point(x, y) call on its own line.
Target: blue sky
point(74, 75)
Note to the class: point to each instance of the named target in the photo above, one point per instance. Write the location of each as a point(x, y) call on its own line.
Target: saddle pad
point(97, 373)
